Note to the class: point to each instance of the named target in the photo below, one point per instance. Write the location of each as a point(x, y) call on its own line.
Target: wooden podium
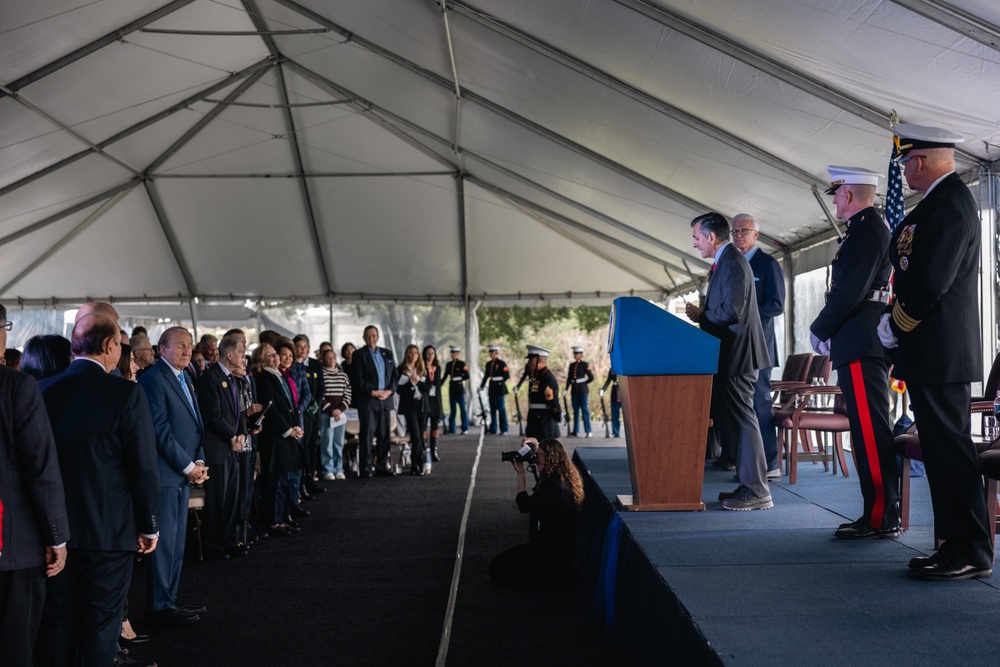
point(665, 368)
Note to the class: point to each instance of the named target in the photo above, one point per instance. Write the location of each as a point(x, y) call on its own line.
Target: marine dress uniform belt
point(876, 295)
point(538, 406)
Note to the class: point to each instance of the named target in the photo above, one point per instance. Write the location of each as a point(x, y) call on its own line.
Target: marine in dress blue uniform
point(578, 377)
point(496, 374)
point(544, 414)
point(846, 330)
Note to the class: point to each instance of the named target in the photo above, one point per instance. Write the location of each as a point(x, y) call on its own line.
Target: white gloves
point(565, 391)
point(819, 346)
point(600, 393)
point(885, 334)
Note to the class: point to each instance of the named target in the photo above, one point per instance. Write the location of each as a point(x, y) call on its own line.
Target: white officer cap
point(494, 348)
point(850, 176)
point(535, 351)
point(577, 350)
point(920, 136)
point(455, 348)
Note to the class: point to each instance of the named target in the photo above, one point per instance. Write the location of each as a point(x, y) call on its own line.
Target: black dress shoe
point(292, 525)
point(190, 609)
point(278, 530)
point(171, 617)
point(859, 530)
point(950, 569)
point(304, 494)
point(138, 639)
point(238, 551)
point(923, 561)
point(434, 456)
point(123, 659)
point(723, 464)
point(384, 472)
point(297, 512)
point(315, 488)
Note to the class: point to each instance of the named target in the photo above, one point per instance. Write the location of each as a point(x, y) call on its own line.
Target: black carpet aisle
point(367, 580)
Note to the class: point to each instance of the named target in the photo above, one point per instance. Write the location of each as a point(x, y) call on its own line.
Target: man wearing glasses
point(769, 284)
point(142, 351)
point(934, 320)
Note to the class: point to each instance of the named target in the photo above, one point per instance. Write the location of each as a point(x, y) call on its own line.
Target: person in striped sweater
point(336, 399)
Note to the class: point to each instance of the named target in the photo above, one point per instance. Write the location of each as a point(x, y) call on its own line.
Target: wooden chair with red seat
point(807, 419)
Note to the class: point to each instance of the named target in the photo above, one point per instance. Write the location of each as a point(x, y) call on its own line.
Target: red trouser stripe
point(868, 435)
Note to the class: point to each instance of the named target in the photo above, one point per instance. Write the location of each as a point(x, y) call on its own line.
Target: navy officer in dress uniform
point(846, 329)
point(934, 320)
point(496, 374)
point(578, 377)
point(457, 373)
point(544, 415)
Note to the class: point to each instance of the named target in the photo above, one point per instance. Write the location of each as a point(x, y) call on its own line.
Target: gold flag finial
point(893, 119)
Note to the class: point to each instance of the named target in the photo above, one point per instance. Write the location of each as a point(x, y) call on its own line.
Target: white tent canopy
point(507, 150)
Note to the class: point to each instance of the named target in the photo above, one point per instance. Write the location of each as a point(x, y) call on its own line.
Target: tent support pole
point(789, 305)
point(194, 317)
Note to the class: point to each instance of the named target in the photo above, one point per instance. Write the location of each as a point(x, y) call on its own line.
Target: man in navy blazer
point(769, 285)
point(374, 376)
point(104, 439)
point(178, 427)
point(32, 510)
point(223, 443)
point(729, 312)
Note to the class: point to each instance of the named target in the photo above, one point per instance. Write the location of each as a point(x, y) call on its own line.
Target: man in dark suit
point(32, 511)
point(935, 321)
point(178, 427)
point(104, 439)
point(374, 377)
point(223, 442)
point(729, 312)
point(769, 285)
point(846, 330)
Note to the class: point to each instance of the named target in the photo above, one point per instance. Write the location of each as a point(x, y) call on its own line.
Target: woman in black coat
point(435, 410)
point(413, 389)
point(280, 442)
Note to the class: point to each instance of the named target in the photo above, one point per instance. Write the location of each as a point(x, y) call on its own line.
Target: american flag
point(894, 210)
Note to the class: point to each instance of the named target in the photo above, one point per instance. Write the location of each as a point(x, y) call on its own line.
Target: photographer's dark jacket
point(553, 517)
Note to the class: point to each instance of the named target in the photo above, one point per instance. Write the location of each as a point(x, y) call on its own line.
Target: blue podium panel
point(644, 339)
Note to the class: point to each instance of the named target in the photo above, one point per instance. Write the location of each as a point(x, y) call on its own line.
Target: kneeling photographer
point(549, 555)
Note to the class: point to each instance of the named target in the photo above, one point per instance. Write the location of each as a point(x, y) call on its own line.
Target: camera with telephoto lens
point(525, 454)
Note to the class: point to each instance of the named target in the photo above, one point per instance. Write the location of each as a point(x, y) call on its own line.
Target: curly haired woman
point(549, 555)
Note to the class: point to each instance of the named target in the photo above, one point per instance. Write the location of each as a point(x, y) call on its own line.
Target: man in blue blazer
point(32, 510)
point(104, 440)
point(374, 376)
point(729, 312)
point(769, 285)
point(178, 426)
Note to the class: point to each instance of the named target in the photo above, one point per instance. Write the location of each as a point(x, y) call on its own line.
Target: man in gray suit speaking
point(729, 312)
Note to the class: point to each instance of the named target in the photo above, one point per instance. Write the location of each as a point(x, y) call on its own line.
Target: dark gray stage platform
point(775, 588)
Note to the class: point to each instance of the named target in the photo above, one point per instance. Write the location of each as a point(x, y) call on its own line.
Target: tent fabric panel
point(69, 93)
point(37, 33)
point(386, 84)
point(240, 139)
point(105, 255)
point(340, 139)
point(413, 30)
point(19, 254)
point(550, 203)
point(85, 178)
point(843, 43)
point(545, 263)
point(391, 235)
point(29, 143)
point(240, 240)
